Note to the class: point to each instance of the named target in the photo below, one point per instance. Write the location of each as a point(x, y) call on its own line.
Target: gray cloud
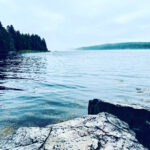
point(74, 23)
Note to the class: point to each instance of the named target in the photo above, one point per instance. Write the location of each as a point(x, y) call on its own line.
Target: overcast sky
point(73, 23)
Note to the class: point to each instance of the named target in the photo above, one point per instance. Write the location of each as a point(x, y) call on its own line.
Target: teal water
point(42, 88)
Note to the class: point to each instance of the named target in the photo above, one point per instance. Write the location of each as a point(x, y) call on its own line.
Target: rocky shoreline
point(107, 127)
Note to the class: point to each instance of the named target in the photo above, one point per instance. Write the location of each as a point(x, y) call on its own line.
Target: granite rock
point(138, 118)
point(92, 132)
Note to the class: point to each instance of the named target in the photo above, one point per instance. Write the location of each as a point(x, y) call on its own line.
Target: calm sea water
point(43, 88)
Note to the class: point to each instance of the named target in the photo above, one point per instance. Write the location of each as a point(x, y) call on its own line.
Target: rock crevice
point(136, 117)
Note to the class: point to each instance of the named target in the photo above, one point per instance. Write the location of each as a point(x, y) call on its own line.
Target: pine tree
point(12, 40)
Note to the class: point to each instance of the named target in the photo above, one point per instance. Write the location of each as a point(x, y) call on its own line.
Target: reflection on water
point(42, 88)
point(6, 62)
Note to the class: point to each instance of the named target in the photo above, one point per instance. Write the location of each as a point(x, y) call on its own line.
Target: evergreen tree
point(5, 40)
point(12, 40)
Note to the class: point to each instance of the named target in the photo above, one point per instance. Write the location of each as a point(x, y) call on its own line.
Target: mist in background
point(67, 24)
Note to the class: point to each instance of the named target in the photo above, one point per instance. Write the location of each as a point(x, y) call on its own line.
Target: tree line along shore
point(12, 40)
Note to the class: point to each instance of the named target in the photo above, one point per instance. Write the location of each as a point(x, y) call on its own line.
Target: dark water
point(43, 88)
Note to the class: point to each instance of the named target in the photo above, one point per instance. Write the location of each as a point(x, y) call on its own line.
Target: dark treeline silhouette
point(14, 41)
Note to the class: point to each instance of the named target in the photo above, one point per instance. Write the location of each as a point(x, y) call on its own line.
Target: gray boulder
point(93, 132)
point(138, 118)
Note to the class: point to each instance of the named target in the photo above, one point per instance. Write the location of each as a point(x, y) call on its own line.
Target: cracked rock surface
point(137, 117)
point(93, 132)
point(25, 139)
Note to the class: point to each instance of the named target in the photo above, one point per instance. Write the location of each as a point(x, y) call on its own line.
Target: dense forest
point(12, 40)
point(128, 45)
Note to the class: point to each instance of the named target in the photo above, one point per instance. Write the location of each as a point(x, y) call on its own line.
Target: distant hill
point(127, 45)
point(13, 41)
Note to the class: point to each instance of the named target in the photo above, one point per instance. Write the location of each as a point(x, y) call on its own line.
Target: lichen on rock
point(92, 132)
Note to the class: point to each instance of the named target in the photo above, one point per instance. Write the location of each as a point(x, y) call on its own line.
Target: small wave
point(63, 86)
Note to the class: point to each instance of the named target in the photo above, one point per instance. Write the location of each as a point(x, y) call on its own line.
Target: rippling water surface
point(43, 88)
